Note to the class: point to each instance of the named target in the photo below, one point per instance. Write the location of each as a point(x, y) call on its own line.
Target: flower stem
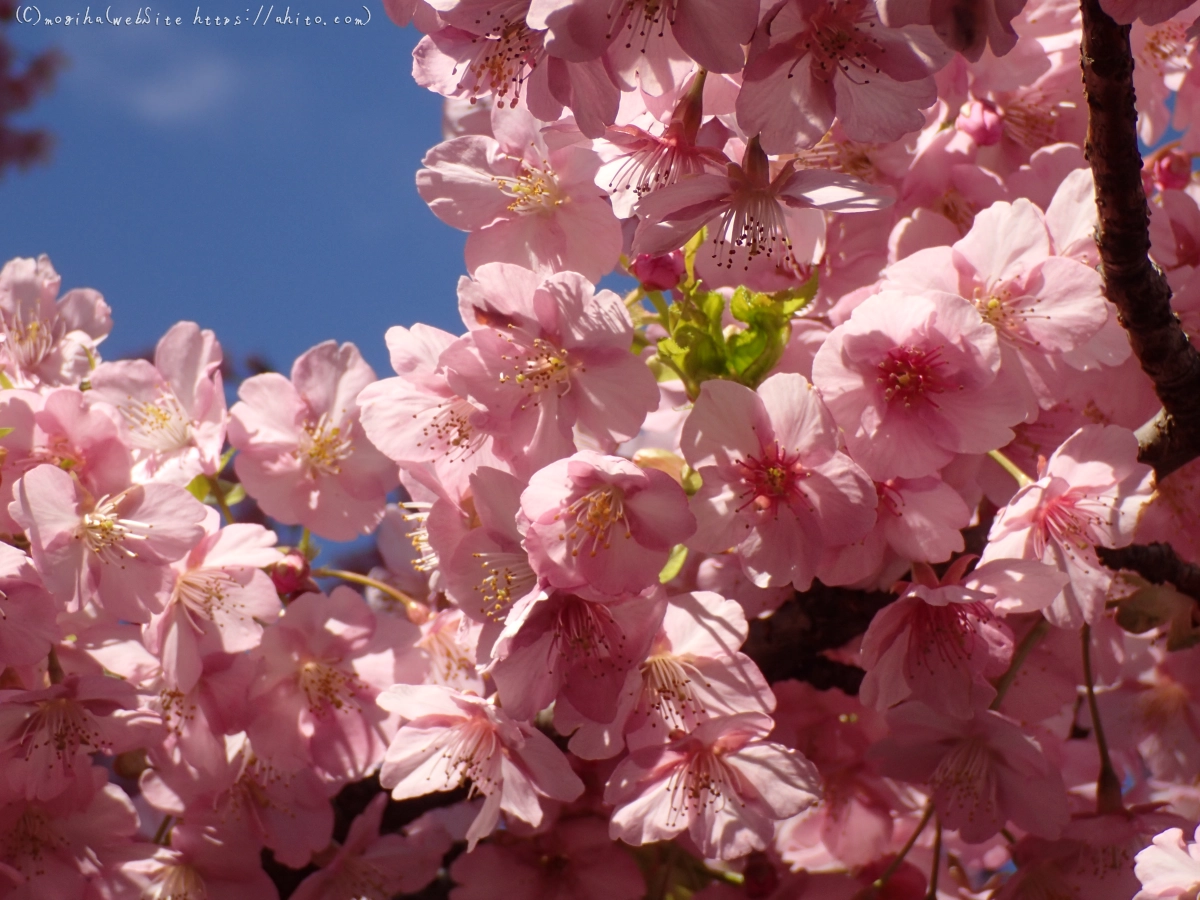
point(878, 883)
point(163, 834)
point(218, 492)
point(1108, 786)
point(1011, 468)
point(937, 859)
point(411, 606)
point(1027, 644)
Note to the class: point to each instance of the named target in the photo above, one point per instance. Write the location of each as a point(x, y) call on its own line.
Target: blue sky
point(257, 180)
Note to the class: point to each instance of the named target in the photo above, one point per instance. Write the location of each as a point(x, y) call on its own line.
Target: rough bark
point(790, 643)
point(1134, 284)
point(1157, 563)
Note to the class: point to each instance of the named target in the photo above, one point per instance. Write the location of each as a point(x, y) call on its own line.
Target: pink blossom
point(303, 455)
point(919, 519)
point(693, 671)
point(1169, 868)
point(939, 642)
point(69, 847)
point(172, 411)
point(47, 341)
point(967, 27)
point(27, 611)
point(484, 50)
point(1149, 12)
point(219, 601)
point(602, 523)
point(416, 416)
point(1042, 306)
point(490, 572)
point(111, 551)
point(370, 864)
point(637, 162)
point(1088, 494)
point(448, 738)
point(524, 199)
point(711, 33)
point(824, 60)
point(202, 862)
point(323, 664)
point(574, 858)
point(79, 439)
point(561, 644)
point(775, 484)
point(545, 355)
point(48, 735)
point(983, 771)
point(910, 379)
point(750, 214)
point(723, 784)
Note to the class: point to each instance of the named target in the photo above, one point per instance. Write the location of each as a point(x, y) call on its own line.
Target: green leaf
point(234, 492)
point(198, 487)
point(674, 563)
point(225, 458)
point(5, 432)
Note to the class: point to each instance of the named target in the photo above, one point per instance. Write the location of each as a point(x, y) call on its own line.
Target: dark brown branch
point(1157, 563)
point(790, 643)
point(1134, 284)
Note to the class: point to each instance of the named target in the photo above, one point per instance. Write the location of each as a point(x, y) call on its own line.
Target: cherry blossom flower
point(983, 771)
point(416, 416)
point(692, 672)
point(490, 572)
point(523, 199)
point(711, 33)
point(202, 862)
point(1041, 306)
point(602, 523)
point(544, 355)
point(836, 59)
point(1169, 868)
point(561, 644)
point(750, 214)
point(369, 864)
point(172, 411)
point(910, 380)
point(26, 610)
point(575, 858)
point(723, 784)
point(220, 600)
point(497, 51)
point(940, 641)
point(967, 27)
point(68, 847)
point(111, 551)
point(775, 484)
point(303, 455)
point(48, 736)
point(449, 738)
point(322, 667)
point(1089, 493)
point(47, 341)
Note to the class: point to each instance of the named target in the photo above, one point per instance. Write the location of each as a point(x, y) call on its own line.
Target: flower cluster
point(780, 576)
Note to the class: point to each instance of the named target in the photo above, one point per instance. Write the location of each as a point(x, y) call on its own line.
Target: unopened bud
point(1172, 170)
point(291, 574)
point(658, 273)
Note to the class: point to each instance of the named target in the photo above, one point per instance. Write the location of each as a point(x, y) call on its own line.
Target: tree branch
point(1134, 284)
point(789, 644)
point(1157, 563)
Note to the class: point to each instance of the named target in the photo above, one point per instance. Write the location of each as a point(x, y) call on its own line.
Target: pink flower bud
point(1173, 170)
point(291, 574)
point(658, 273)
point(982, 121)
